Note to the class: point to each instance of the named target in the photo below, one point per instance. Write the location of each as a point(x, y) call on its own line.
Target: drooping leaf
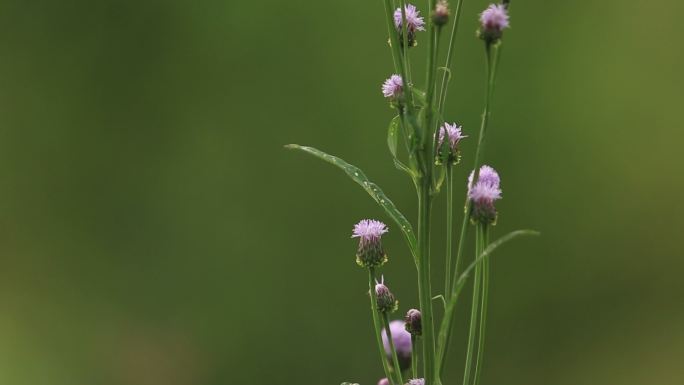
point(371, 188)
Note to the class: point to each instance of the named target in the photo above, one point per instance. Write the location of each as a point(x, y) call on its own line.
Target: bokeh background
point(154, 231)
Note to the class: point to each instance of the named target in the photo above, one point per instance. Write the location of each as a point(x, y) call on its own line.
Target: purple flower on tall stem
point(370, 252)
point(393, 87)
point(402, 343)
point(493, 21)
point(414, 22)
point(453, 133)
point(483, 194)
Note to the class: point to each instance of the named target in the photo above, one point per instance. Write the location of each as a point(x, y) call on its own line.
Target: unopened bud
point(441, 14)
point(385, 301)
point(413, 322)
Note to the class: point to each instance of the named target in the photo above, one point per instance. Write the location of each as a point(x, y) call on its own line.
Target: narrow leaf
point(393, 136)
point(371, 188)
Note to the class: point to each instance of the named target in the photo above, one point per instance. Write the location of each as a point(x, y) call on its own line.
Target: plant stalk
point(378, 327)
point(473, 310)
point(483, 306)
point(424, 288)
point(449, 228)
point(395, 359)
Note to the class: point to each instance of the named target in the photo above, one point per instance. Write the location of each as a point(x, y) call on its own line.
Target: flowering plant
point(430, 152)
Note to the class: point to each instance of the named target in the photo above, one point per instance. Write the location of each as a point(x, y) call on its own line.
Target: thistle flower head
point(370, 252)
point(414, 22)
point(493, 21)
point(413, 322)
point(393, 87)
point(441, 14)
point(453, 133)
point(383, 381)
point(402, 343)
point(386, 302)
point(416, 381)
point(482, 194)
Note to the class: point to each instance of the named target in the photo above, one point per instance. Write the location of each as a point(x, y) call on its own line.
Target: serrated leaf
point(371, 188)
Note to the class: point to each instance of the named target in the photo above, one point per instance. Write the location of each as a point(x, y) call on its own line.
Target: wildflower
point(393, 87)
point(386, 303)
point(383, 381)
point(416, 381)
point(493, 21)
point(370, 252)
point(402, 343)
point(454, 134)
point(412, 322)
point(482, 194)
point(441, 14)
point(414, 22)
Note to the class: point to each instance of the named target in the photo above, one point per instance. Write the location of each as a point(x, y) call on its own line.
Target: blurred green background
point(154, 231)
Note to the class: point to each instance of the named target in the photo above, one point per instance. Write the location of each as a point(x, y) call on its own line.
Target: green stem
point(414, 357)
point(395, 359)
point(483, 306)
point(473, 310)
point(424, 289)
point(489, 90)
point(377, 326)
point(396, 53)
point(449, 58)
point(449, 227)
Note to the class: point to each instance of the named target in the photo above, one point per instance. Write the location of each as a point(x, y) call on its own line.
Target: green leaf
point(418, 95)
point(490, 249)
point(445, 326)
point(371, 188)
point(393, 136)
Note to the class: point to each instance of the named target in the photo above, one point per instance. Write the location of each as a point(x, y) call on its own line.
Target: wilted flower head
point(416, 381)
point(386, 302)
point(493, 21)
point(441, 14)
point(414, 22)
point(370, 252)
point(393, 87)
point(383, 381)
point(483, 194)
point(454, 134)
point(402, 343)
point(413, 322)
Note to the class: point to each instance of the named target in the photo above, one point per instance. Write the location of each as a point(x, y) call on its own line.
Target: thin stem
point(377, 326)
point(432, 34)
point(489, 90)
point(424, 289)
point(395, 359)
point(449, 58)
point(449, 227)
point(405, 46)
point(396, 53)
point(473, 310)
point(483, 306)
point(414, 357)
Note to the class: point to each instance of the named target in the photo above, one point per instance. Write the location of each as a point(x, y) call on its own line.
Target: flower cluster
point(493, 21)
point(483, 194)
point(414, 23)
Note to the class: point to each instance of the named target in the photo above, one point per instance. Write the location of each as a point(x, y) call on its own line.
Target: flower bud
point(441, 14)
point(493, 21)
point(402, 343)
point(483, 194)
point(412, 322)
point(383, 381)
point(370, 252)
point(386, 303)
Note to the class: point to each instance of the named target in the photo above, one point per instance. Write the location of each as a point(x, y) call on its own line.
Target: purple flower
point(483, 194)
point(413, 322)
point(385, 301)
point(393, 87)
point(453, 133)
point(414, 22)
point(402, 343)
point(441, 14)
point(383, 381)
point(493, 21)
point(370, 252)
point(417, 381)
